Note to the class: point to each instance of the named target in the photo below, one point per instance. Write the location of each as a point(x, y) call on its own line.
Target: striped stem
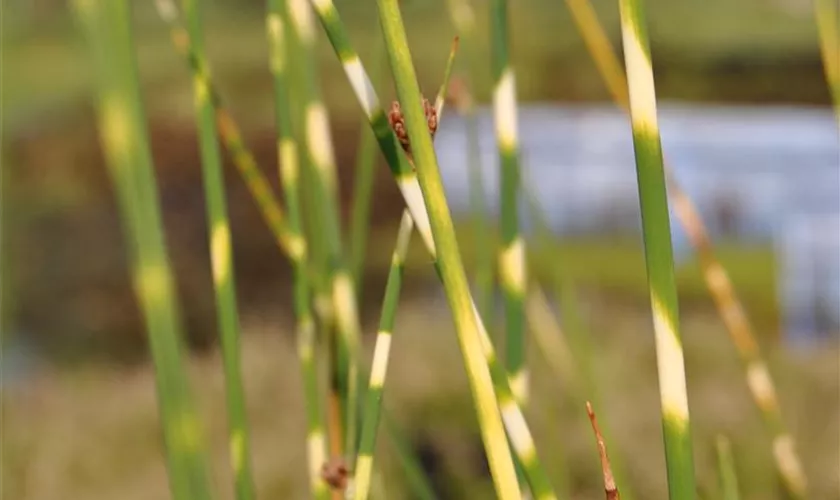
point(463, 18)
point(253, 177)
point(291, 245)
point(658, 252)
point(363, 192)
point(343, 296)
point(121, 122)
point(379, 368)
point(726, 470)
point(289, 162)
point(514, 420)
point(221, 254)
point(827, 14)
point(450, 267)
point(512, 272)
point(720, 287)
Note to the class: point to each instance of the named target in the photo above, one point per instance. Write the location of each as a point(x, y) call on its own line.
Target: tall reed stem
point(379, 368)
point(343, 295)
point(450, 267)
point(658, 253)
point(729, 306)
point(289, 163)
point(122, 129)
point(406, 178)
point(221, 254)
point(512, 272)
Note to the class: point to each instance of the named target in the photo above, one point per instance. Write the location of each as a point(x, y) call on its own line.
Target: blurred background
point(746, 126)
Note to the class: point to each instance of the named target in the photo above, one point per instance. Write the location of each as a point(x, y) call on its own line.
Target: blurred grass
point(616, 268)
point(91, 433)
point(725, 40)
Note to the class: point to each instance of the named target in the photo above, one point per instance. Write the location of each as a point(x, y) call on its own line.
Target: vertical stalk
point(121, 122)
point(288, 160)
point(221, 254)
point(243, 159)
point(406, 178)
point(729, 306)
point(512, 272)
point(379, 368)
point(343, 297)
point(658, 252)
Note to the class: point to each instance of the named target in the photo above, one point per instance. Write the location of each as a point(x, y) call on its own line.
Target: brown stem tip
point(335, 473)
point(397, 121)
point(609, 482)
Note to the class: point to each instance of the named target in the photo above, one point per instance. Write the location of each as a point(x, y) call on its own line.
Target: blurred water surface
point(765, 175)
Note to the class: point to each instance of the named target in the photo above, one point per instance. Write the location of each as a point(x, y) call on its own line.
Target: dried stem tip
point(609, 482)
point(397, 121)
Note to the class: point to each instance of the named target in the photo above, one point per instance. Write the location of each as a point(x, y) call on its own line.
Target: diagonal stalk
point(512, 272)
point(290, 243)
point(221, 254)
point(729, 306)
point(450, 267)
point(121, 121)
point(289, 162)
point(379, 368)
point(658, 253)
point(406, 178)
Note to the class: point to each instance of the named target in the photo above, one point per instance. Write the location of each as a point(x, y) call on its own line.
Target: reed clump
point(343, 421)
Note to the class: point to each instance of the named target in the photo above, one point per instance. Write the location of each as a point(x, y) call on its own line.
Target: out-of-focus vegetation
point(90, 430)
point(59, 205)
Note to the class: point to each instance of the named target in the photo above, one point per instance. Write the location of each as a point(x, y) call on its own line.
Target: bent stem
point(121, 122)
point(379, 368)
point(658, 253)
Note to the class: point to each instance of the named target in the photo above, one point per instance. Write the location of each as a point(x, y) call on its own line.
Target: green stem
point(717, 280)
point(107, 26)
point(379, 368)
point(726, 470)
point(658, 252)
point(450, 267)
point(406, 178)
point(343, 297)
point(512, 272)
point(221, 254)
point(289, 162)
point(253, 177)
